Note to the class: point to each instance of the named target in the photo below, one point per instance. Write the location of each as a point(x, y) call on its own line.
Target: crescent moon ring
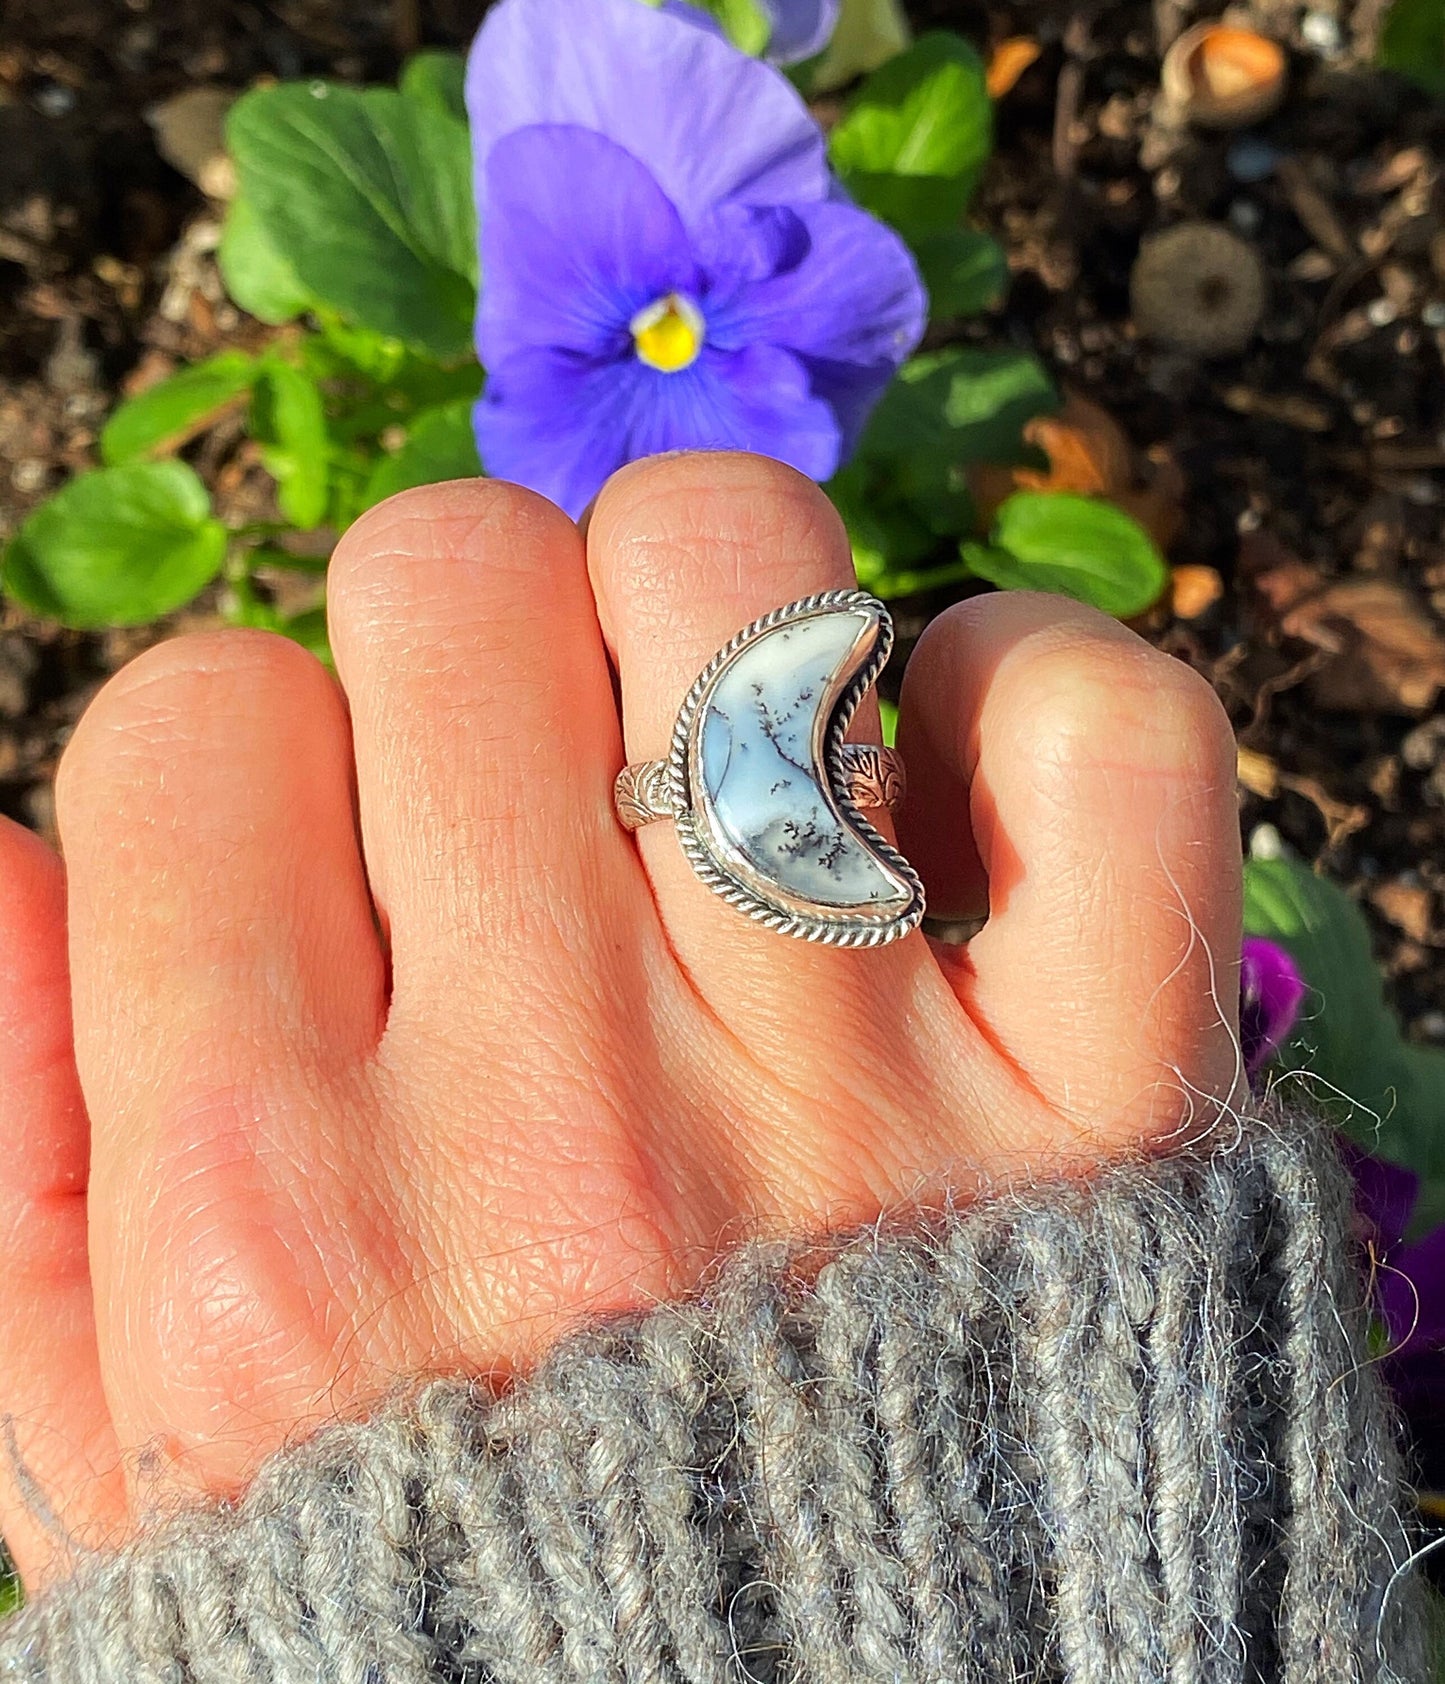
point(767, 797)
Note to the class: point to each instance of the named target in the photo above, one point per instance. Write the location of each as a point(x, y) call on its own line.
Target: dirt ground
point(1302, 480)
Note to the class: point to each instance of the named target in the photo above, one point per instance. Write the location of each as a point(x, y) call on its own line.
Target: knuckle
point(656, 519)
point(1121, 704)
point(165, 696)
point(414, 552)
point(227, 1303)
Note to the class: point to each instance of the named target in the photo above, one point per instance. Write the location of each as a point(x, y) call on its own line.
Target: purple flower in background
point(1409, 1285)
point(1408, 1280)
point(1271, 990)
point(801, 28)
point(666, 260)
point(797, 29)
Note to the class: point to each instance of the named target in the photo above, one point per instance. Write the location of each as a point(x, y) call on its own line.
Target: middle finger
point(684, 551)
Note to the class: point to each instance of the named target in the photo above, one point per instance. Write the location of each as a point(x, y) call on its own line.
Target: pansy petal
point(855, 297)
point(555, 423)
point(1271, 991)
point(1385, 1193)
point(758, 399)
point(577, 238)
point(853, 309)
point(797, 29)
point(707, 121)
point(1412, 1294)
point(561, 423)
point(801, 28)
point(740, 244)
point(695, 16)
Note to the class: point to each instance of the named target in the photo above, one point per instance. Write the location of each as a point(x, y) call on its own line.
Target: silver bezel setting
point(792, 915)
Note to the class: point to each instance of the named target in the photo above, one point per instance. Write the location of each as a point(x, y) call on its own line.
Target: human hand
point(289, 1125)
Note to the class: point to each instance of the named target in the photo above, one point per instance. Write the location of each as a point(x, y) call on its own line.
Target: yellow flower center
point(669, 333)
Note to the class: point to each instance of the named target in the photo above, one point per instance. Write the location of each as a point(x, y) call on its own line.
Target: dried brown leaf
point(1384, 650)
point(1008, 62)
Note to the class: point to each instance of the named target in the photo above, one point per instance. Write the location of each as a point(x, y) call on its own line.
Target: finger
point(1092, 778)
point(60, 1484)
point(685, 551)
point(486, 740)
point(521, 927)
point(228, 984)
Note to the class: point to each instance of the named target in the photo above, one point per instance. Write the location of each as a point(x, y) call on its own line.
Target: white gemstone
point(764, 793)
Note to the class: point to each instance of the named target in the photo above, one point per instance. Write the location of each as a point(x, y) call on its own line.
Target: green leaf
point(897, 532)
point(904, 497)
point(368, 195)
point(1075, 546)
point(308, 628)
point(257, 277)
point(960, 406)
point(438, 79)
point(965, 271)
point(440, 445)
point(11, 1594)
point(1386, 1092)
point(168, 413)
point(244, 605)
point(344, 349)
point(915, 140)
point(290, 418)
point(745, 23)
point(116, 547)
point(1412, 41)
point(868, 33)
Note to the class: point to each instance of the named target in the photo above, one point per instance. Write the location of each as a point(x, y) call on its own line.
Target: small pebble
point(1432, 1026)
point(1380, 312)
point(1251, 159)
point(1321, 33)
point(1246, 217)
point(54, 100)
point(1266, 843)
point(1433, 315)
point(1424, 746)
point(29, 475)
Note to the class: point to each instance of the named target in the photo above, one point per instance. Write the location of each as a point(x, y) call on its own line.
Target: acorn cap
point(1199, 287)
point(1224, 78)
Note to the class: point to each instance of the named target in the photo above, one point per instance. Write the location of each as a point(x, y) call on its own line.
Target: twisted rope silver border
point(829, 932)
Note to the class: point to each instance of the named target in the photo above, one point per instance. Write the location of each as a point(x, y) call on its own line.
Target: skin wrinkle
point(202, 1305)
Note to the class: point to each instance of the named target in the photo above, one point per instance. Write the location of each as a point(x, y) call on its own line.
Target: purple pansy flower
point(1409, 1280)
point(1409, 1283)
point(1271, 990)
point(667, 262)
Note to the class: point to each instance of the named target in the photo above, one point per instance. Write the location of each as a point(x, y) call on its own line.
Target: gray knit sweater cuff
point(1106, 1435)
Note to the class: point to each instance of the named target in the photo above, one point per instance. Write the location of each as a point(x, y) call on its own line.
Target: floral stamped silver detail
point(763, 789)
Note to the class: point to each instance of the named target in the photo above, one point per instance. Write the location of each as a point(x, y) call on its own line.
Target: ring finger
point(683, 552)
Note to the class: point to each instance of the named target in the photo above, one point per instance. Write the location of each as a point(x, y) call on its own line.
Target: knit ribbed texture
point(1109, 1435)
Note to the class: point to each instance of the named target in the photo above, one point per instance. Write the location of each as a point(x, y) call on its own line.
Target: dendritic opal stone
point(760, 780)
